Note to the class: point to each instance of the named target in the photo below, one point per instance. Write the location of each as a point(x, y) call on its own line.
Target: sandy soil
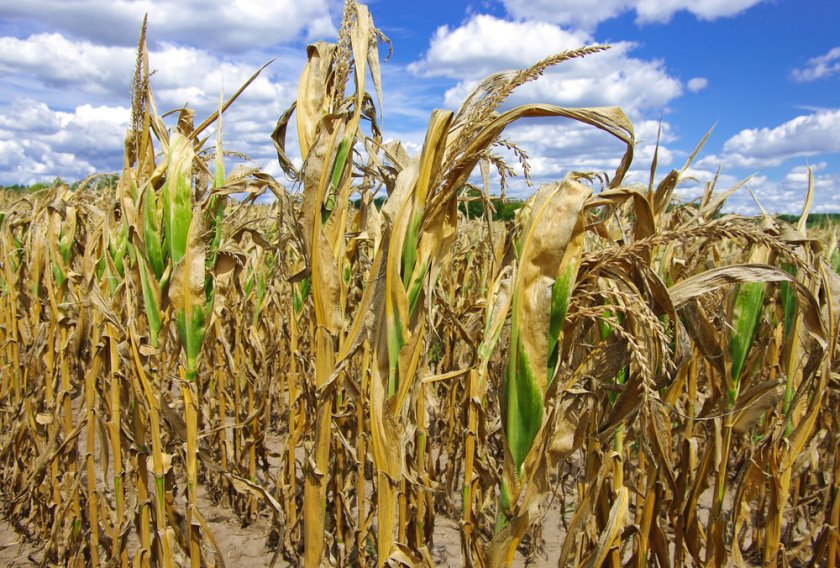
point(247, 546)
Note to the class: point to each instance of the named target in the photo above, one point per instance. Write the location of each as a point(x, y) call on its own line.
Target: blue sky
point(765, 72)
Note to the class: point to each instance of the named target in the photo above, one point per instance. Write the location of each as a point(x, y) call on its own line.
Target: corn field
point(614, 379)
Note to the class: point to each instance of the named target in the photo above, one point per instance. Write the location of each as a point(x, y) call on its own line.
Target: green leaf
point(749, 298)
point(186, 293)
point(152, 232)
point(177, 195)
point(552, 239)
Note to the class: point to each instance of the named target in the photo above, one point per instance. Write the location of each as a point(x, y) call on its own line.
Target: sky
point(764, 73)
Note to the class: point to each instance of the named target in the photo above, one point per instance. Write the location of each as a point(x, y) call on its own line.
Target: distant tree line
point(814, 219)
point(473, 207)
point(96, 182)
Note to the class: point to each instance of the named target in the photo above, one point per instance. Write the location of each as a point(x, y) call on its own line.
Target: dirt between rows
point(245, 547)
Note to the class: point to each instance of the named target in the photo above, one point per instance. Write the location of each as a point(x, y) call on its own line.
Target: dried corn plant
point(365, 373)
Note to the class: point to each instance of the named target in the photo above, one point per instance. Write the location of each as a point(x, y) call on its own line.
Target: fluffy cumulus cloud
point(68, 72)
point(804, 136)
point(61, 63)
point(819, 67)
point(485, 44)
point(780, 156)
point(38, 143)
point(232, 25)
point(663, 10)
point(75, 61)
point(782, 192)
point(190, 75)
point(642, 88)
point(589, 14)
point(181, 74)
point(787, 194)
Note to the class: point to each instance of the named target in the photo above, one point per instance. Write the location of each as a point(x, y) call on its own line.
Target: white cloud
point(181, 74)
point(819, 67)
point(642, 88)
point(485, 44)
point(45, 141)
point(567, 12)
point(59, 62)
point(84, 51)
point(783, 192)
point(697, 84)
point(803, 136)
point(72, 71)
point(39, 144)
point(66, 54)
point(799, 174)
point(663, 10)
point(787, 195)
point(232, 25)
point(186, 74)
point(589, 14)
